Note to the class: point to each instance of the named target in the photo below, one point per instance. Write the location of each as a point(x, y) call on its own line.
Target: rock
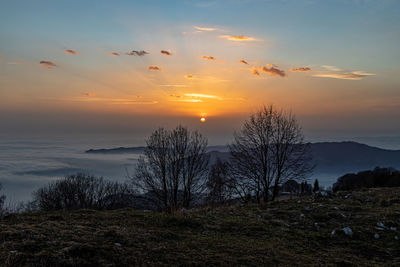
point(347, 196)
point(298, 201)
point(302, 215)
point(13, 251)
point(333, 232)
point(393, 228)
point(347, 231)
point(344, 216)
point(336, 208)
point(380, 228)
point(308, 208)
point(380, 224)
point(376, 236)
point(396, 237)
point(118, 244)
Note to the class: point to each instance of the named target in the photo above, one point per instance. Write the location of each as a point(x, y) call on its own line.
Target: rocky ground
point(347, 228)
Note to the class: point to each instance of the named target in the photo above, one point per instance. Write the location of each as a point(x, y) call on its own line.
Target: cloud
point(165, 52)
point(332, 68)
point(338, 73)
point(113, 53)
point(208, 57)
point(204, 29)
point(274, 71)
point(239, 38)
point(47, 64)
point(243, 61)
point(155, 68)
point(71, 52)
point(88, 94)
point(204, 96)
point(139, 53)
point(301, 69)
point(255, 71)
point(16, 62)
point(189, 76)
point(174, 85)
point(114, 101)
point(354, 75)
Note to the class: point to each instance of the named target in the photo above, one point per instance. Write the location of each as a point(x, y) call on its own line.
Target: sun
point(202, 119)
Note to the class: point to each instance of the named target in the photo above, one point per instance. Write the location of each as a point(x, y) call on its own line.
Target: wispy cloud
point(189, 76)
point(243, 62)
point(354, 75)
point(139, 53)
point(155, 68)
point(338, 73)
point(47, 64)
point(71, 52)
point(301, 69)
point(275, 71)
point(208, 57)
point(114, 101)
point(16, 62)
point(204, 96)
point(165, 52)
point(207, 29)
point(239, 38)
point(113, 53)
point(173, 85)
point(331, 68)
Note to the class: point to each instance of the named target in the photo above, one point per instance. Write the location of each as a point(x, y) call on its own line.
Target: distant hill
point(334, 158)
point(140, 150)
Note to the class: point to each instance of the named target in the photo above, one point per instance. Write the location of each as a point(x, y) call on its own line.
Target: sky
point(127, 67)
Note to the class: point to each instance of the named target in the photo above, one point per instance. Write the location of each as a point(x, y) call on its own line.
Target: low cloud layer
point(47, 64)
point(208, 57)
point(274, 71)
point(165, 52)
point(239, 38)
point(71, 52)
point(301, 69)
point(243, 62)
point(113, 53)
point(155, 68)
point(139, 53)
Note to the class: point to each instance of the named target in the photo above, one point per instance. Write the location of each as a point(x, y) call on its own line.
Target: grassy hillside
point(304, 231)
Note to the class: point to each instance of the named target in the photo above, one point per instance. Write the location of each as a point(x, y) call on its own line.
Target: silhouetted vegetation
point(379, 177)
point(2, 200)
point(174, 168)
point(82, 191)
point(316, 186)
point(219, 184)
point(268, 151)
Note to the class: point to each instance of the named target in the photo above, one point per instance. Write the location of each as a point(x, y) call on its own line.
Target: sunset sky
point(119, 67)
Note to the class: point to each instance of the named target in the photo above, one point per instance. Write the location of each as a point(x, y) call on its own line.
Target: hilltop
point(304, 231)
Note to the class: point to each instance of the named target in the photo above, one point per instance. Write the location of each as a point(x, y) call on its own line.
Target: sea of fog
point(26, 165)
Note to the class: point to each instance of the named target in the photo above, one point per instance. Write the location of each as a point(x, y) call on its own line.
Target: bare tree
point(268, 151)
point(219, 183)
point(173, 168)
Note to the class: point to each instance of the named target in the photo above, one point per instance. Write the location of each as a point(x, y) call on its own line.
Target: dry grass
point(289, 232)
